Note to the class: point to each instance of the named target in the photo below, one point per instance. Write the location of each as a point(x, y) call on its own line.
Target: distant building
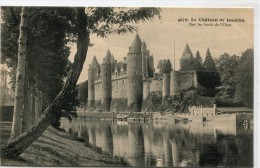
point(202, 111)
point(133, 78)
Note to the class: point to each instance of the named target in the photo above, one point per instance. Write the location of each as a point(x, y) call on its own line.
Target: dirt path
point(55, 148)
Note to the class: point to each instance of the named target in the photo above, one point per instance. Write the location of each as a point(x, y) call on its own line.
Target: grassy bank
point(56, 148)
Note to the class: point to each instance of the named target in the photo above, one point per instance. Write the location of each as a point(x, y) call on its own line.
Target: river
point(168, 144)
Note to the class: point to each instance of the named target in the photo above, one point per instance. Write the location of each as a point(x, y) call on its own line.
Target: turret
point(144, 60)
point(166, 85)
point(174, 83)
point(187, 58)
point(134, 72)
point(112, 60)
point(106, 82)
point(91, 82)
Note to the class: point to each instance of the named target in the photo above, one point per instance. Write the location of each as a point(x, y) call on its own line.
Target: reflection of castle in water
point(143, 144)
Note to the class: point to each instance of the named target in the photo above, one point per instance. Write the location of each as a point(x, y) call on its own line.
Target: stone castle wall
point(186, 80)
point(156, 85)
point(98, 91)
point(119, 88)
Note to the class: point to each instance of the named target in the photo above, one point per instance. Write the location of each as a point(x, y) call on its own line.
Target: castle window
point(123, 81)
point(135, 72)
point(117, 82)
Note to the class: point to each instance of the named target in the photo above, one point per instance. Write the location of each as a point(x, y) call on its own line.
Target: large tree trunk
point(37, 102)
point(27, 102)
point(20, 76)
point(19, 144)
point(26, 110)
point(32, 108)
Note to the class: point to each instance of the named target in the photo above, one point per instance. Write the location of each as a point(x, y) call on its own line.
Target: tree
point(20, 75)
point(227, 67)
point(82, 93)
point(49, 28)
point(101, 21)
point(197, 63)
point(245, 78)
point(164, 66)
point(209, 64)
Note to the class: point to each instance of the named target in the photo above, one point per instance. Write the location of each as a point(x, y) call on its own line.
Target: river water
point(168, 144)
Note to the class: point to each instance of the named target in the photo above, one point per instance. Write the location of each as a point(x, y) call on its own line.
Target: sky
point(160, 36)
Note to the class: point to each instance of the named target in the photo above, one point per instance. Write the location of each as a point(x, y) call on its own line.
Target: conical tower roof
point(136, 45)
point(112, 58)
point(187, 54)
point(94, 64)
point(143, 44)
point(107, 58)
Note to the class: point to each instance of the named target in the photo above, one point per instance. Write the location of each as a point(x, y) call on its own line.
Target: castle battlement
point(119, 76)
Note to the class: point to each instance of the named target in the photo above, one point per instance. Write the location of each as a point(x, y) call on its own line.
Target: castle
point(134, 78)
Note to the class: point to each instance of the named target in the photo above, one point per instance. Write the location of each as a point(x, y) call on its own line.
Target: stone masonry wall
point(186, 80)
point(156, 85)
point(119, 88)
point(98, 91)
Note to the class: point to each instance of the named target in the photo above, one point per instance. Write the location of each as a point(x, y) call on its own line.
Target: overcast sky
point(159, 36)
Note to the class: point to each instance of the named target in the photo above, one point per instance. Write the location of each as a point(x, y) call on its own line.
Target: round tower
point(186, 60)
point(112, 60)
point(134, 73)
point(144, 60)
point(174, 88)
point(91, 83)
point(166, 85)
point(106, 82)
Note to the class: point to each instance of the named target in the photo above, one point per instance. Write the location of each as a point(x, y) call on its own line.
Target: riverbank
point(57, 148)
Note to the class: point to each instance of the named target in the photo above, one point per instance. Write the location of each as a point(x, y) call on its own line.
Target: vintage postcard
point(127, 86)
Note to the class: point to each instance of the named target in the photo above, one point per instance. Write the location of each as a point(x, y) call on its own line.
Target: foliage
point(209, 64)
point(208, 79)
point(226, 66)
point(47, 54)
point(187, 64)
point(82, 93)
point(103, 21)
point(245, 78)
point(197, 63)
point(164, 66)
point(228, 102)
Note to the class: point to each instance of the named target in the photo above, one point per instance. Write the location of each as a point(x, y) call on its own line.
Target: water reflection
point(167, 144)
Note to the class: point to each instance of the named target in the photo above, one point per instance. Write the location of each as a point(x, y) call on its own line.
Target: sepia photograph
point(127, 87)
